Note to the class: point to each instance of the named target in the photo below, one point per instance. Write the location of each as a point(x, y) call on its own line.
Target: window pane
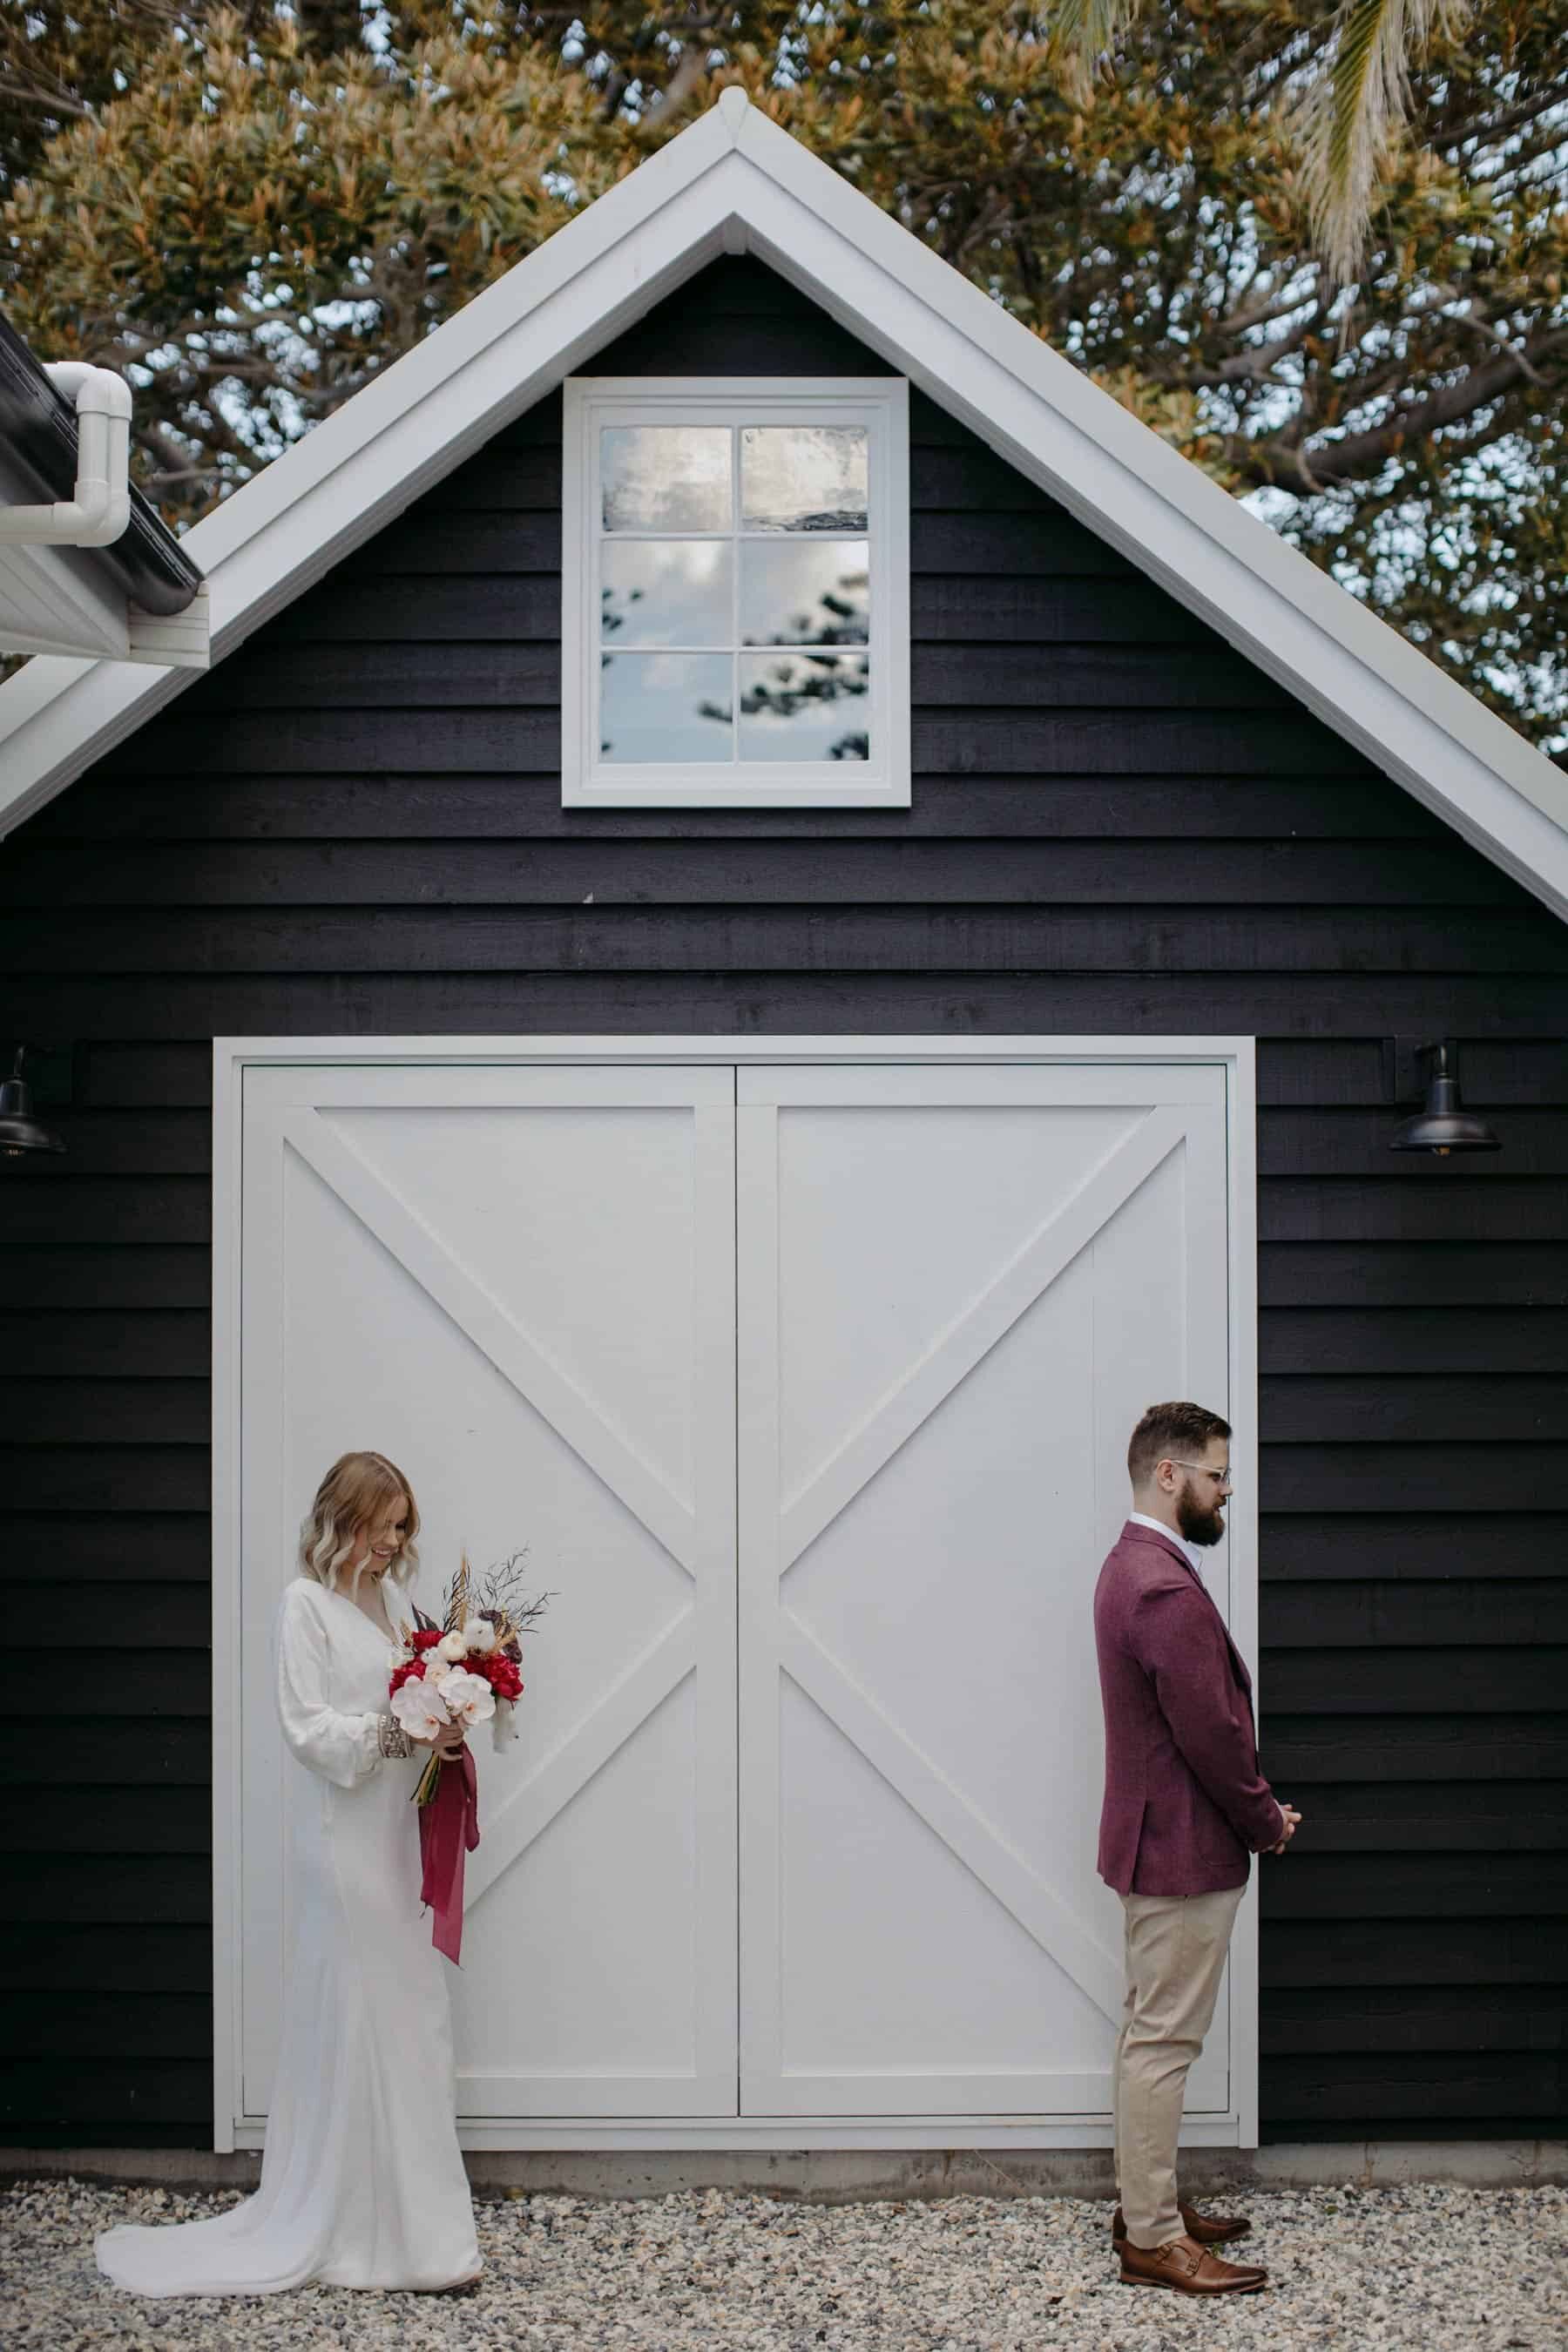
point(804, 591)
point(803, 477)
point(804, 706)
point(664, 707)
point(667, 591)
point(665, 476)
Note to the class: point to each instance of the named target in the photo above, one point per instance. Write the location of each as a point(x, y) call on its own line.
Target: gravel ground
point(1419, 2267)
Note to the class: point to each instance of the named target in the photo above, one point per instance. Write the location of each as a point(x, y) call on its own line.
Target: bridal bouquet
point(463, 1671)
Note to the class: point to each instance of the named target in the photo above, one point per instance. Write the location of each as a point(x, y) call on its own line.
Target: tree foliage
point(252, 211)
point(256, 229)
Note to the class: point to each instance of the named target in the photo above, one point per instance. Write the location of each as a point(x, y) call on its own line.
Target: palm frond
point(1354, 110)
point(1082, 31)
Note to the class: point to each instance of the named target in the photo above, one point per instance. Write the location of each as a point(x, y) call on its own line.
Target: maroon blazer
point(1185, 1805)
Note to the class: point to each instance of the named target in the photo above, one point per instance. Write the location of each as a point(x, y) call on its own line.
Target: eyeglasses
point(1220, 1477)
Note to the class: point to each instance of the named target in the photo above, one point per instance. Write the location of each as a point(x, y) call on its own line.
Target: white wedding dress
point(361, 2181)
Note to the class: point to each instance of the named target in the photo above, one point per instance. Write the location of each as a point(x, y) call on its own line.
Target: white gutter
point(100, 511)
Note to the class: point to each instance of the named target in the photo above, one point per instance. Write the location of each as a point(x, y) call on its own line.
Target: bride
point(361, 2181)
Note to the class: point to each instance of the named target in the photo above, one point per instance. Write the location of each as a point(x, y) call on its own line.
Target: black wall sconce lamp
point(21, 1135)
point(1442, 1125)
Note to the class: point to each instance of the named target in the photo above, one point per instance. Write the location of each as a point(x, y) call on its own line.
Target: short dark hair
point(1170, 1429)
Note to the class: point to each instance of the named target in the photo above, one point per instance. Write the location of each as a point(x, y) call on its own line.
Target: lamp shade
point(20, 1133)
point(1443, 1124)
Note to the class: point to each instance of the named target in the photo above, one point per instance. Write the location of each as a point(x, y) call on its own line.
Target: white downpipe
point(100, 510)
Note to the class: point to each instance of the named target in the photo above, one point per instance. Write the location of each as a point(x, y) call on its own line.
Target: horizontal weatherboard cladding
point(353, 825)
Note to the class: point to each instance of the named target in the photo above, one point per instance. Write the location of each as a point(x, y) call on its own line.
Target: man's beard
point(1200, 1526)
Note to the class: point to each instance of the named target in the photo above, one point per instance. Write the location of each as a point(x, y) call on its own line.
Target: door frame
point(231, 1057)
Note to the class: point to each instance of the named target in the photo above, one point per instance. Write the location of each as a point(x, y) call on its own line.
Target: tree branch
point(1308, 472)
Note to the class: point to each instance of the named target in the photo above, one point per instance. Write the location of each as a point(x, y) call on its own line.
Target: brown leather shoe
point(1188, 2269)
point(1206, 2229)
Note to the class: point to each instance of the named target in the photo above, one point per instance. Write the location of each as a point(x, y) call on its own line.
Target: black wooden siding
point(353, 825)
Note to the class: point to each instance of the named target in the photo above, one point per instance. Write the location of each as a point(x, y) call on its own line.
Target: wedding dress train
point(361, 2179)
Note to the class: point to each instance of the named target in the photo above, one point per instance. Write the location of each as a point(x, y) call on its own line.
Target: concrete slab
point(854, 2177)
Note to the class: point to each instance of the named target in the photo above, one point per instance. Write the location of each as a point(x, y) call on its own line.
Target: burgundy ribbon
point(449, 1829)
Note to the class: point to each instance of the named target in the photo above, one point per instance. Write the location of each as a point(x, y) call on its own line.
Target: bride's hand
point(447, 1741)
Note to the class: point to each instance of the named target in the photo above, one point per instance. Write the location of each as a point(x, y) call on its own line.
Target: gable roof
point(733, 183)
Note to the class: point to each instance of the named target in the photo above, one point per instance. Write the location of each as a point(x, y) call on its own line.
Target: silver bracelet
point(391, 1738)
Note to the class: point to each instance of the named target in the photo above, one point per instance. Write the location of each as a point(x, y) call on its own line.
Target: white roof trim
point(735, 180)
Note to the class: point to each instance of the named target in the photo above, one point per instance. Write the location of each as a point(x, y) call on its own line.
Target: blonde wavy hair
point(356, 1490)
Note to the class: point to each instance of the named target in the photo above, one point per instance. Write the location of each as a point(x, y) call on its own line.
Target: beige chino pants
point(1176, 1946)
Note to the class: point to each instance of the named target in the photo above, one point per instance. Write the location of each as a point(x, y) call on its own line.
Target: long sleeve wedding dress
point(361, 2181)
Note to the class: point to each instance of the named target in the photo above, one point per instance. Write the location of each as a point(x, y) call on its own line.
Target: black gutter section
point(38, 434)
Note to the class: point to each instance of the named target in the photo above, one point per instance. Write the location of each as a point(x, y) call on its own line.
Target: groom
point(1186, 1809)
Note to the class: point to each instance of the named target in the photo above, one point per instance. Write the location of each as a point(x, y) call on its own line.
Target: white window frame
point(880, 403)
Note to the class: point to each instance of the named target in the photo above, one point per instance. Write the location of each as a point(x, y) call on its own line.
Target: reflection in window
point(679, 570)
point(804, 593)
point(667, 591)
point(665, 476)
point(803, 477)
point(804, 706)
point(664, 707)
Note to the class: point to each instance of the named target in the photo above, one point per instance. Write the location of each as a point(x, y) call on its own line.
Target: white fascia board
point(1162, 512)
point(43, 711)
point(734, 179)
point(183, 639)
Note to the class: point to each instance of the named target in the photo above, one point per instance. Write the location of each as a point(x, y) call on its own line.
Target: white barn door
point(809, 1385)
point(518, 1283)
point(958, 1288)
